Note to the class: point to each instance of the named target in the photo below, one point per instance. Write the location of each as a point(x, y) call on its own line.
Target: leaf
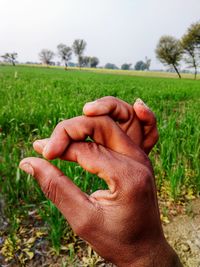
point(64, 248)
point(29, 253)
point(164, 219)
point(31, 240)
point(190, 194)
point(8, 249)
point(39, 234)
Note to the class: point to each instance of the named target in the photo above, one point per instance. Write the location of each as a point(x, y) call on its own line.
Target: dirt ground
point(183, 233)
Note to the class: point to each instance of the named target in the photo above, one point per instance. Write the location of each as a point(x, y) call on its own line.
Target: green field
point(33, 100)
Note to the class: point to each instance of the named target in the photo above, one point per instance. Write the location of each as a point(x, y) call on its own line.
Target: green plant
point(39, 98)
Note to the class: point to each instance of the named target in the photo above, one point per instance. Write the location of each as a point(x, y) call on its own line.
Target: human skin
point(137, 121)
point(122, 223)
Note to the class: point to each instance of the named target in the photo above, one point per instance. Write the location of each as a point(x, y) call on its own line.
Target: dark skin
point(137, 121)
point(122, 223)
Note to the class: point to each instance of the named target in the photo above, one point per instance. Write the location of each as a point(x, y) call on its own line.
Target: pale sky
point(116, 31)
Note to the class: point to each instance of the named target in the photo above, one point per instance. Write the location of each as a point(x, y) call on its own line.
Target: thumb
point(69, 199)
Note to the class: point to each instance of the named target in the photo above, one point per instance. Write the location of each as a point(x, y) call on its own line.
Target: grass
point(33, 100)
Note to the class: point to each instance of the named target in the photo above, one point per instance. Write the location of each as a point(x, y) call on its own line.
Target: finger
point(95, 159)
point(103, 130)
point(119, 111)
point(148, 119)
point(144, 113)
point(69, 199)
point(151, 139)
point(92, 157)
point(40, 144)
point(116, 108)
point(99, 160)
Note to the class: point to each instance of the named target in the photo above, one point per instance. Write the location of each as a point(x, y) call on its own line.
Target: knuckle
point(108, 98)
point(89, 148)
point(50, 189)
point(60, 125)
point(144, 181)
point(145, 178)
point(47, 189)
point(92, 147)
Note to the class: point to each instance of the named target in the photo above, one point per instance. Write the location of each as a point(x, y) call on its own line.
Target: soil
point(183, 233)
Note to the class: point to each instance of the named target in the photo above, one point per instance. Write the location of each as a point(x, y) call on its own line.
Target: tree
point(111, 66)
point(126, 66)
point(169, 52)
point(94, 61)
point(85, 61)
point(190, 51)
point(79, 46)
point(140, 65)
point(191, 45)
point(194, 30)
point(89, 62)
point(10, 57)
point(65, 53)
point(46, 56)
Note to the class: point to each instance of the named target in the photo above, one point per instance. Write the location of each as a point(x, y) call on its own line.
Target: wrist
point(161, 255)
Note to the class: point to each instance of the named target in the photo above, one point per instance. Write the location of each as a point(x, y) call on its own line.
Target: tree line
point(65, 53)
point(170, 51)
point(140, 65)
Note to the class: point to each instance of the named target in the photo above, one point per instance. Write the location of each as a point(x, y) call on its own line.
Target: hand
point(122, 224)
point(137, 121)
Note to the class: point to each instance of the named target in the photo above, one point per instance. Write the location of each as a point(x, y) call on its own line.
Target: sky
point(116, 31)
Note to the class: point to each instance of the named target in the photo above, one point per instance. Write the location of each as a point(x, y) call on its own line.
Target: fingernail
point(27, 168)
point(139, 101)
point(39, 144)
point(91, 103)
